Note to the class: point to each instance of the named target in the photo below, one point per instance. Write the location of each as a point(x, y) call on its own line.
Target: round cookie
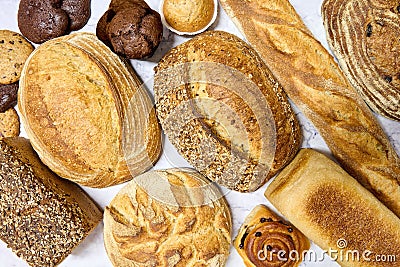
point(14, 50)
point(40, 21)
point(9, 123)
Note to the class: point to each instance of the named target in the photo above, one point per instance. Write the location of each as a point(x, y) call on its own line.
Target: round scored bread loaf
point(172, 217)
point(364, 36)
point(224, 111)
point(85, 112)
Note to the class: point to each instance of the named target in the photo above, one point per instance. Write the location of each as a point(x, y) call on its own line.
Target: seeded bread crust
point(224, 111)
point(43, 217)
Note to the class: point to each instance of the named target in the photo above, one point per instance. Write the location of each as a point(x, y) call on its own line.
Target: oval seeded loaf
point(224, 111)
point(85, 112)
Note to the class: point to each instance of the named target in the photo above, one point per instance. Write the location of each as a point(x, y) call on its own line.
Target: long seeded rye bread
point(86, 113)
point(43, 217)
point(224, 111)
point(314, 82)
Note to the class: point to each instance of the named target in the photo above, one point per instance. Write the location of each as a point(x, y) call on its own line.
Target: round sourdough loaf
point(224, 111)
point(85, 112)
point(172, 217)
point(364, 36)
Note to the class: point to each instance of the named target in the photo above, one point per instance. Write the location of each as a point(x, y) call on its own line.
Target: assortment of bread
point(222, 103)
point(315, 83)
point(88, 117)
point(245, 128)
point(173, 217)
point(364, 36)
point(334, 210)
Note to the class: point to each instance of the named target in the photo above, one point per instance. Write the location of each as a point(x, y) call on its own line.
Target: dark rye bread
point(224, 111)
point(326, 204)
point(42, 217)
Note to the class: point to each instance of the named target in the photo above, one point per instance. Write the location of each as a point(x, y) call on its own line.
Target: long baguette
point(315, 83)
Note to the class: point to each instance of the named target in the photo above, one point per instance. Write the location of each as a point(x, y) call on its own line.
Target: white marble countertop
point(91, 252)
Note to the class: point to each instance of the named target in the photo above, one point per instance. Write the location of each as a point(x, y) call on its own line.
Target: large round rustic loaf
point(172, 217)
point(85, 112)
point(224, 111)
point(364, 36)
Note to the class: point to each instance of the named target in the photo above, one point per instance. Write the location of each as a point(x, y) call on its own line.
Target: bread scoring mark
point(185, 235)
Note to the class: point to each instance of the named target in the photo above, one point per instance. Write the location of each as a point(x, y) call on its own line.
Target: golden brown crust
point(364, 38)
point(216, 86)
point(188, 16)
point(14, 50)
point(43, 216)
point(265, 231)
point(88, 117)
point(327, 204)
point(314, 82)
point(172, 217)
point(9, 123)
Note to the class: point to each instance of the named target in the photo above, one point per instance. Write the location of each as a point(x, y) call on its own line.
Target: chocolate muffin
point(42, 20)
point(130, 28)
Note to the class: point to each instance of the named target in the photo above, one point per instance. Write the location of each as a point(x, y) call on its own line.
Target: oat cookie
point(9, 123)
point(14, 50)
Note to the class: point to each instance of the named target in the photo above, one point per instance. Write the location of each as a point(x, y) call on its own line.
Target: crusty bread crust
point(314, 82)
point(365, 39)
point(327, 204)
point(173, 217)
point(86, 113)
point(224, 111)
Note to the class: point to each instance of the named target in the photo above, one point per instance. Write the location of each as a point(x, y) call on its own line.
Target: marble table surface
point(91, 252)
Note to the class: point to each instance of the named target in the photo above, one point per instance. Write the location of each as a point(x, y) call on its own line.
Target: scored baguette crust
point(365, 40)
point(315, 83)
point(112, 135)
point(328, 205)
point(224, 111)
